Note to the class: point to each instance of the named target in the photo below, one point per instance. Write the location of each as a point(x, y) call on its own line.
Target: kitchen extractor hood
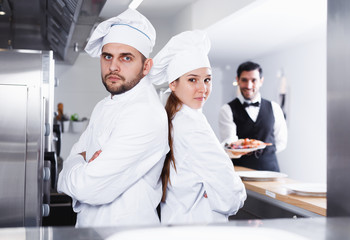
point(59, 25)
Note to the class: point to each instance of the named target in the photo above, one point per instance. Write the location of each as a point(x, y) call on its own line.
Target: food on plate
point(246, 143)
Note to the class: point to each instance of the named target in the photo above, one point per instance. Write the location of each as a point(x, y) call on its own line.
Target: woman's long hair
point(172, 106)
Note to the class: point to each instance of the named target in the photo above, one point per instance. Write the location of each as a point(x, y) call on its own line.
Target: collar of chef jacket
point(198, 113)
point(191, 110)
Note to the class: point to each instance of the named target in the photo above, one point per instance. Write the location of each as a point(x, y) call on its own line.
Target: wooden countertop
point(275, 189)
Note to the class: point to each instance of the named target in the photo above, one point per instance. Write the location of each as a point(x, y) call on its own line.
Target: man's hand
point(84, 155)
point(96, 154)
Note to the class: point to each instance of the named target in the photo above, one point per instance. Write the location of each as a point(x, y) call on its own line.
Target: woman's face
point(193, 88)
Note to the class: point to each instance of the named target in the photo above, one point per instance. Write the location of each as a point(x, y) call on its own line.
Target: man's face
point(249, 83)
point(121, 67)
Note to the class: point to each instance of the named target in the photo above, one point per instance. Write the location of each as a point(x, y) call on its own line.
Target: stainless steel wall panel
point(26, 94)
point(17, 67)
point(338, 110)
point(12, 154)
point(35, 151)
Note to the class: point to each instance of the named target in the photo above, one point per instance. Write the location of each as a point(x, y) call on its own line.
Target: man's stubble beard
point(125, 84)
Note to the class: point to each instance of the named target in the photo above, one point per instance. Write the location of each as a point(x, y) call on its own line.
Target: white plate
point(308, 189)
point(245, 150)
point(260, 175)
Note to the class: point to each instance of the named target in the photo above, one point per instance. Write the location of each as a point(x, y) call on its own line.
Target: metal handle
point(47, 129)
point(46, 174)
point(57, 131)
point(46, 186)
point(45, 210)
point(51, 157)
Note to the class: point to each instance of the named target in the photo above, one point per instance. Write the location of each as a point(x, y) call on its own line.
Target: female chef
point(199, 181)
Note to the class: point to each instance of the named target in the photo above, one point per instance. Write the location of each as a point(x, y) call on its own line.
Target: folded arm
point(224, 188)
point(133, 148)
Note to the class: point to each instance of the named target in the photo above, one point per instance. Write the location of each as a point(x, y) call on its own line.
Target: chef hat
point(130, 28)
point(183, 53)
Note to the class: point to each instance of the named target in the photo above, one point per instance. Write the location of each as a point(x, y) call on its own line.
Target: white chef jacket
point(202, 168)
point(228, 129)
point(121, 186)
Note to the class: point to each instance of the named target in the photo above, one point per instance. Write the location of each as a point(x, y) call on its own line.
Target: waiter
point(250, 116)
point(112, 172)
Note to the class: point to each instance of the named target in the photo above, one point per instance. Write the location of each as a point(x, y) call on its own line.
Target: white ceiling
point(259, 28)
point(267, 26)
point(154, 8)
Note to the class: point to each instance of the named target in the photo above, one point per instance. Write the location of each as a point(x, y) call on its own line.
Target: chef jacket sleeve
point(136, 145)
point(74, 159)
point(227, 127)
point(225, 190)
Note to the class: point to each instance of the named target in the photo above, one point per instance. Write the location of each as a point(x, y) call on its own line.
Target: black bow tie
point(245, 104)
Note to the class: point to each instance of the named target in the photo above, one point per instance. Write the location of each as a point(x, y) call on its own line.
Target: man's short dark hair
point(143, 58)
point(249, 66)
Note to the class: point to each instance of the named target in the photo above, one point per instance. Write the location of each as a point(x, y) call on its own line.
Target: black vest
point(261, 130)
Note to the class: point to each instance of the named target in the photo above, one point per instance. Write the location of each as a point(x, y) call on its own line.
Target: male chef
point(112, 172)
point(251, 116)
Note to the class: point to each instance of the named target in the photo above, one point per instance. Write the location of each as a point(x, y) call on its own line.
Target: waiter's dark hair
point(172, 106)
point(249, 66)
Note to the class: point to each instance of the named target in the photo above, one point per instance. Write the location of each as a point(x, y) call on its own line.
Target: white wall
point(200, 14)
point(80, 88)
point(208, 12)
point(305, 68)
point(164, 31)
point(306, 71)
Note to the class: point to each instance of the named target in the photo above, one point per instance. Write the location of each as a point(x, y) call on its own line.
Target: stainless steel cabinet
point(26, 115)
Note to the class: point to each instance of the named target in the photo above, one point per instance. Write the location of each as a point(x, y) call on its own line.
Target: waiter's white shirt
point(121, 186)
point(228, 129)
point(202, 167)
